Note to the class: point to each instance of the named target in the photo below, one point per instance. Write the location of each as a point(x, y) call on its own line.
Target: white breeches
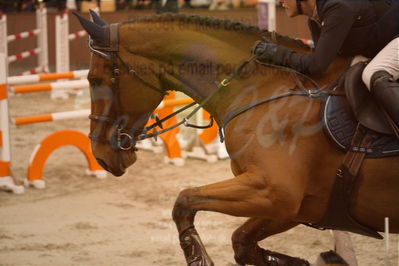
point(387, 60)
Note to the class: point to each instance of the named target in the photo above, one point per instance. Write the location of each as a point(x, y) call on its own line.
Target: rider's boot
point(385, 91)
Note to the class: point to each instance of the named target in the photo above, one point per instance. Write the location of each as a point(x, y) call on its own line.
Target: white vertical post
point(3, 36)
point(42, 43)
point(61, 51)
point(272, 15)
point(71, 5)
point(344, 247)
point(6, 180)
point(267, 14)
point(386, 238)
point(62, 43)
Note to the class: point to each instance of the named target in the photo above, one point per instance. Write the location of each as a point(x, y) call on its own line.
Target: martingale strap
point(337, 215)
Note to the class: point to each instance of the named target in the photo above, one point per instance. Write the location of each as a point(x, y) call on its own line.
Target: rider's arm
point(338, 18)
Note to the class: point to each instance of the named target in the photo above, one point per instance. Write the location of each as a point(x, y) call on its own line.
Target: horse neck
point(199, 59)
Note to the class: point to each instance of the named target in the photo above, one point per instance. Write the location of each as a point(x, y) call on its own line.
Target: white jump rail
point(26, 54)
point(50, 117)
point(36, 70)
point(23, 35)
point(76, 35)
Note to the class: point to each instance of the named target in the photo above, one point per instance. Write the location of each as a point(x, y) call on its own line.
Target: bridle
point(121, 140)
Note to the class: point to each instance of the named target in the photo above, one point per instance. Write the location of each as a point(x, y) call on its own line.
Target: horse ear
point(97, 19)
point(98, 33)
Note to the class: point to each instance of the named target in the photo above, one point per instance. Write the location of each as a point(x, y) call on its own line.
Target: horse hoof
point(277, 259)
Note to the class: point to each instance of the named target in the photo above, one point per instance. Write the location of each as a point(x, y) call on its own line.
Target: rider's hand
point(268, 51)
point(260, 47)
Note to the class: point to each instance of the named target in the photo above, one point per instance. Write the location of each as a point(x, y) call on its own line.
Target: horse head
point(114, 127)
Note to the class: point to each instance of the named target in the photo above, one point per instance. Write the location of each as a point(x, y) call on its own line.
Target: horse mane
point(207, 22)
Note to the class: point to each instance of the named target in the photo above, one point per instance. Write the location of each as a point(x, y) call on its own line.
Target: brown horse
point(283, 166)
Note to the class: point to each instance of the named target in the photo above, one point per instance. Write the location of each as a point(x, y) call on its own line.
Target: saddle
point(341, 115)
point(356, 125)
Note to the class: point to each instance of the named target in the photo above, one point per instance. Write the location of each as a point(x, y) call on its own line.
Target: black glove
point(267, 51)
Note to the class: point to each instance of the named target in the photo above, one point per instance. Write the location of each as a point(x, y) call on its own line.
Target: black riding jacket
point(347, 27)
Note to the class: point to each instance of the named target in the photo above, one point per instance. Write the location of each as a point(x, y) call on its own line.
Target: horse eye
point(95, 81)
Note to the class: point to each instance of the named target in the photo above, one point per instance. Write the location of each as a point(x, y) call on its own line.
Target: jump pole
point(17, 80)
point(62, 85)
point(6, 181)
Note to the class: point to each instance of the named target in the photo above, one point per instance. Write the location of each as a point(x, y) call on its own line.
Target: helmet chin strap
point(299, 7)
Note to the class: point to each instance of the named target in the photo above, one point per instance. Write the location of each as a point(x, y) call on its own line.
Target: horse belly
point(376, 194)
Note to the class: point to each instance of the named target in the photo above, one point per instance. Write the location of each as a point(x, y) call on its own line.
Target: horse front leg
point(247, 195)
point(245, 243)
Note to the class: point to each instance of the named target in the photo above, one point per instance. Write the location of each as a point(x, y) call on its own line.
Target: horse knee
point(238, 237)
point(182, 206)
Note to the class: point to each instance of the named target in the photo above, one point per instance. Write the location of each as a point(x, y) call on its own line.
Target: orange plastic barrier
point(169, 138)
point(208, 135)
point(53, 142)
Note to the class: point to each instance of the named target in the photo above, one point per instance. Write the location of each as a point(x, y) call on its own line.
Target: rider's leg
point(381, 75)
point(245, 243)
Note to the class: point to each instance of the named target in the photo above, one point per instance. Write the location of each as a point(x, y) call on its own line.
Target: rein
point(316, 93)
point(224, 83)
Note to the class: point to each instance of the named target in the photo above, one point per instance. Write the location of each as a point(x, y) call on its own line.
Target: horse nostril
point(102, 164)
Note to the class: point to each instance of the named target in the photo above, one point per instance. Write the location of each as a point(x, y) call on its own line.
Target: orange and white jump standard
point(6, 181)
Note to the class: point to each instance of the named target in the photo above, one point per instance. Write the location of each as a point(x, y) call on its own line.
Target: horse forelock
point(217, 23)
